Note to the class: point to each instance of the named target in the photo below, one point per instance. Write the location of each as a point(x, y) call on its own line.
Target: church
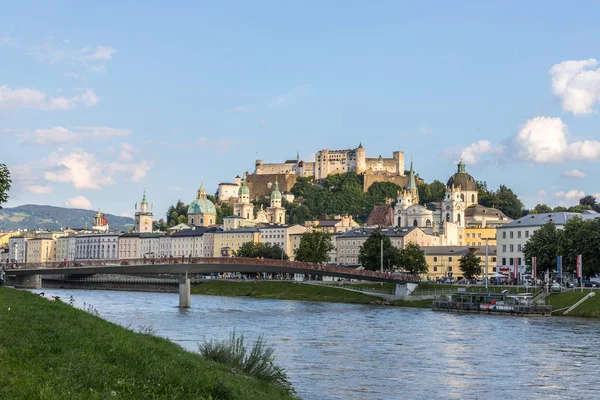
point(458, 210)
point(275, 214)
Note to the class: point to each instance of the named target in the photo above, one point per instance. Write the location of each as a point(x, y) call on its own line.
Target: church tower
point(100, 222)
point(143, 218)
point(407, 198)
point(276, 212)
point(243, 208)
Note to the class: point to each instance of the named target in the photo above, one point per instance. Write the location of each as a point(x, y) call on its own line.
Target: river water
point(345, 351)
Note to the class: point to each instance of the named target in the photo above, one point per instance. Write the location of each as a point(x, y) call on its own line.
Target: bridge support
point(184, 291)
point(405, 289)
point(28, 281)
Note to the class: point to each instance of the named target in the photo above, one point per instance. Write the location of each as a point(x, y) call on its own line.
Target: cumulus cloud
point(127, 151)
point(39, 189)
point(12, 99)
point(103, 53)
point(569, 198)
point(577, 84)
point(473, 153)
point(78, 202)
point(573, 173)
point(546, 140)
point(61, 135)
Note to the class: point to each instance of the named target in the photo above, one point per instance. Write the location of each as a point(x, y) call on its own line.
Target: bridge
point(29, 274)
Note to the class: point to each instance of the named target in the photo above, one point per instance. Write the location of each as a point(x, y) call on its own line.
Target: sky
point(99, 102)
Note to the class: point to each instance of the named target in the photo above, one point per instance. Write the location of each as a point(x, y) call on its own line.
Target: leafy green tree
point(380, 191)
point(223, 210)
point(412, 259)
point(369, 255)
point(545, 245)
point(261, 250)
point(581, 237)
point(541, 209)
point(431, 192)
point(4, 184)
point(470, 265)
point(503, 199)
point(160, 225)
point(177, 214)
point(589, 201)
point(314, 247)
point(579, 208)
point(559, 209)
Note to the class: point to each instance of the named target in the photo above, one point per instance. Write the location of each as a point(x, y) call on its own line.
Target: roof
point(479, 210)
point(198, 231)
point(557, 218)
point(276, 194)
point(368, 231)
point(412, 185)
point(462, 179)
point(131, 234)
point(380, 216)
point(202, 206)
point(151, 235)
point(249, 229)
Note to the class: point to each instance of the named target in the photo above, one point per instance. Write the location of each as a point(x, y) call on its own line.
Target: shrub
point(259, 362)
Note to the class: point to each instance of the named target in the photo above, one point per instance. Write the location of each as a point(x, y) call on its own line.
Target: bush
point(259, 363)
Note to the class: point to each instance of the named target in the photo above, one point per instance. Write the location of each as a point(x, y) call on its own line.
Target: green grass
point(54, 351)
point(283, 290)
point(414, 303)
point(386, 286)
point(590, 308)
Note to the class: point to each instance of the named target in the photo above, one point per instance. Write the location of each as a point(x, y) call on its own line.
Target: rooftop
point(368, 231)
point(557, 218)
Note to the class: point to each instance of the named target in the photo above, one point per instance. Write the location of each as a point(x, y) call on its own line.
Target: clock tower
point(143, 218)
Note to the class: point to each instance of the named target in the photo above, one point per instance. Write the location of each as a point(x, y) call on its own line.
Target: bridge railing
point(321, 268)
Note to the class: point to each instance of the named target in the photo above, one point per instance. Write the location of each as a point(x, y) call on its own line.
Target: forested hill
point(31, 216)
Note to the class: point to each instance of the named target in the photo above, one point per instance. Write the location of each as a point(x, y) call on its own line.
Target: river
point(345, 351)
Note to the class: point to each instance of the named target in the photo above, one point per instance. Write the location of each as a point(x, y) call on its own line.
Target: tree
point(431, 192)
point(4, 184)
point(544, 244)
point(160, 225)
point(412, 259)
point(508, 202)
point(369, 255)
point(541, 209)
point(261, 250)
point(314, 247)
point(581, 237)
point(589, 201)
point(177, 214)
point(380, 191)
point(470, 265)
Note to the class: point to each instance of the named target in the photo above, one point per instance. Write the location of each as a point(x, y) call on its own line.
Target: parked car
point(555, 287)
point(588, 284)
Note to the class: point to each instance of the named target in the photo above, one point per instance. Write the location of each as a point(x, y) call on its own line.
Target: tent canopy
point(498, 275)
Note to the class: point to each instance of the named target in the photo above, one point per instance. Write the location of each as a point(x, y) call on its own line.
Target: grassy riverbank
point(50, 350)
point(283, 290)
point(590, 308)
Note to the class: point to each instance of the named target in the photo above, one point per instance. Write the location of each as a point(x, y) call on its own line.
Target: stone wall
point(262, 185)
point(402, 181)
point(267, 169)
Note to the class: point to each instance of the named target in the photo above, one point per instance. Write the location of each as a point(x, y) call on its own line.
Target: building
point(100, 246)
point(17, 248)
point(275, 214)
point(444, 261)
point(243, 208)
point(337, 224)
point(40, 250)
point(130, 246)
point(202, 211)
point(475, 236)
point(511, 237)
point(381, 216)
point(282, 235)
point(66, 248)
point(150, 244)
point(229, 191)
point(100, 222)
point(191, 242)
point(226, 243)
point(349, 243)
point(143, 218)
point(165, 246)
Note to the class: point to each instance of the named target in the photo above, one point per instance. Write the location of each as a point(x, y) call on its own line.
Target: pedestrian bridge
point(29, 274)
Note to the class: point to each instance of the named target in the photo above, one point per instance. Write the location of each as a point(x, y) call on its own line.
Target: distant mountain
point(31, 216)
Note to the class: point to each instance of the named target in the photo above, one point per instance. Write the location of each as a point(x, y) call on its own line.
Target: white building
point(17, 248)
point(281, 235)
point(66, 248)
point(103, 246)
point(130, 246)
point(191, 242)
point(511, 237)
point(228, 190)
point(150, 245)
point(164, 246)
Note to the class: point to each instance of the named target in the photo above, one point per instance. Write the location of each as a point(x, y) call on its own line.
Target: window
point(449, 269)
point(511, 261)
point(468, 235)
point(434, 259)
point(479, 235)
point(503, 235)
point(479, 244)
point(504, 248)
point(518, 247)
point(449, 259)
point(493, 259)
point(434, 269)
point(519, 235)
point(503, 261)
point(494, 269)
point(512, 248)
point(526, 234)
point(511, 234)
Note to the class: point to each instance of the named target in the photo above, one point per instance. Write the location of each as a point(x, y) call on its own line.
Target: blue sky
point(101, 101)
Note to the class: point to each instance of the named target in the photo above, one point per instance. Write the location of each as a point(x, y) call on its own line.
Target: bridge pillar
point(405, 289)
point(28, 281)
point(184, 291)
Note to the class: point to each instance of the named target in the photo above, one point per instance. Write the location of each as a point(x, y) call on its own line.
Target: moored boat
point(493, 303)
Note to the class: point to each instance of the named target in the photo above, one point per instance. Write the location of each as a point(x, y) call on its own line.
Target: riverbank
point(588, 309)
point(51, 350)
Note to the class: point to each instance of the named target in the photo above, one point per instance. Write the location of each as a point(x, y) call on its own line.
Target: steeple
point(461, 166)
point(298, 156)
point(144, 204)
point(201, 191)
point(412, 183)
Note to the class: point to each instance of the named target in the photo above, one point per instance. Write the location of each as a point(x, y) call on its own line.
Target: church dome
point(276, 194)
point(202, 206)
point(244, 189)
point(462, 179)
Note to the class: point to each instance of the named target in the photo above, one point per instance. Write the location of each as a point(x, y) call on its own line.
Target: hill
point(31, 216)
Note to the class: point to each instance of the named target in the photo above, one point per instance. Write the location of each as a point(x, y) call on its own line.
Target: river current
point(345, 351)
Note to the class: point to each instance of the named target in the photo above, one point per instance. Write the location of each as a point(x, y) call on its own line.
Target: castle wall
point(266, 169)
point(227, 191)
point(402, 181)
point(262, 184)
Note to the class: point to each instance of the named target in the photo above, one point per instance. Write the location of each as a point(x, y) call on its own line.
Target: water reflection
point(345, 351)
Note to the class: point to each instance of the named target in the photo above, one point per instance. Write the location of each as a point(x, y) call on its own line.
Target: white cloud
point(473, 153)
point(39, 189)
point(239, 109)
point(573, 173)
point(569, 198)
point(127, 151)
point(91, 58)
point(541, 196)
point(103, 53)
point(78, 168)
point(6, 40)
point(577, 84)
point(546, 140)
point(37, 100)
point(62, 135)
point(78, 202)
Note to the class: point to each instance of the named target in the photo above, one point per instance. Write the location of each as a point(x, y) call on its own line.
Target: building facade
point(66, 248)
point(40, 250)
point(444, 261)
point(17, 249)
point(143, 218)
point(202, 211)
point(103, 246)
point(226, 243)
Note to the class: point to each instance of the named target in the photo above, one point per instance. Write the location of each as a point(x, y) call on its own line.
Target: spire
point(201, 191)
point(412, 183)
point(298, 155)
point(144, 201)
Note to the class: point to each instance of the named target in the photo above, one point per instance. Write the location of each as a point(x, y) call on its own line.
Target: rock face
point(31, 216)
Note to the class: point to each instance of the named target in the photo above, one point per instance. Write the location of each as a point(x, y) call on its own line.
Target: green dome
point(244, 189)
point(202, 206)
point(276, 194)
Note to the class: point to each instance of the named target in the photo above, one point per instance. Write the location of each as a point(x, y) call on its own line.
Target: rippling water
point(344, 351)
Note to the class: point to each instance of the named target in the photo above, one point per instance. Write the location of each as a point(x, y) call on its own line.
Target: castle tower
point(143, 218)
point(243, 208)
point(276, 212)
point(361, 159)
